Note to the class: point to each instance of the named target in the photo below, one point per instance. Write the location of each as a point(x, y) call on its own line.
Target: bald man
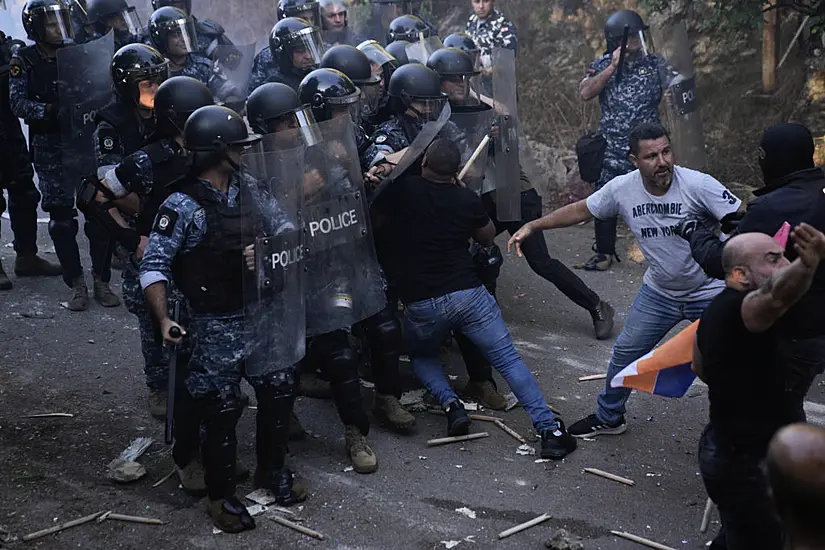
point(796, 472)
point(736, 353)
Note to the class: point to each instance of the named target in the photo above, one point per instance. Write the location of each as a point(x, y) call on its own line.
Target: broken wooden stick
point(482, 148)
point(163, 480)
point(593, 377)
point(510, 431)
point(608, 475)
point(706, 516)
point(523, 526)
point(63, 526)
point(136, 519)
point(456, 439)
point(641, 540)
point(104, 516)
point(300, 528)
point(50, 415)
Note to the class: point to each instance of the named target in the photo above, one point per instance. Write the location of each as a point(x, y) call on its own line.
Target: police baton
point(625, 36)
point(174, 332)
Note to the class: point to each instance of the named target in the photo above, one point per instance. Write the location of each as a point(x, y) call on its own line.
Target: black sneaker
point(558, 443)
point(592, 426)
point(458, 423)
point(603, 320)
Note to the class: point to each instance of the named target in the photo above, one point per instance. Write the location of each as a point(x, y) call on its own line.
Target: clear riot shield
point(506, 171)
point(344, 284)
point(474, 123)
point(85, 87)
point(679, 82)
point(420, 52)
point(234, 62)
point(274, 313)
point(379, 18)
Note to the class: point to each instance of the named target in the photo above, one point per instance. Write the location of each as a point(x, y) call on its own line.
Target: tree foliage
point(737, 16)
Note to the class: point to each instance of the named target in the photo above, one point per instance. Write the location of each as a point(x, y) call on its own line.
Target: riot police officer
point(295, 49)
point(398, 50)
point(123, 125)
point(173, 34)
point(335, 24)
point(212, 40)
point(465, 43)
point(409, 28)
point(331, 94)
point(275, 107)
point(629, 94)
point(383, 12)
point(204, 225)
point(34, 97)
point(117, 16)
point(356, 66)
point(383, 64)
point(308, 10)
point(17, 178)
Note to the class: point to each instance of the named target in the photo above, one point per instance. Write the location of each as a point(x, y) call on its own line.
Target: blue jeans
point(474, 313)
point(651, 317)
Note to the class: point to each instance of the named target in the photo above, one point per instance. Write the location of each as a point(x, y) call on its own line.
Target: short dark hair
point(644, 132)
point(443, 157)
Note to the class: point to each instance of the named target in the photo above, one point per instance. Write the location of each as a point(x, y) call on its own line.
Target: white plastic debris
point(216, 531)
point(349, 469)
point(526, 450)
point(136, 448)
point(262, 497)
point(450, 543)
point(256, 510)
point(541, 460)
point(464, 511)
point(469, 405)
point(512, 401)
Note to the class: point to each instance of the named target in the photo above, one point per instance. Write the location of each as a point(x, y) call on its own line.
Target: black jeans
point(735, 481)
point(802, 361)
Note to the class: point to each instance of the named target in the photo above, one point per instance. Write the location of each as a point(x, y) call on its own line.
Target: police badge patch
point(108, 140)
point(165, 221)
point(381, 138)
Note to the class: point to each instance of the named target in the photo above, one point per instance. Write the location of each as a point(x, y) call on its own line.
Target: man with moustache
point(652, 200)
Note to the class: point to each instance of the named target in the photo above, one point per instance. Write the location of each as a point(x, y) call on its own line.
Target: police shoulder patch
point(380, 138)
point(165, 221)
point(15, 67)
point(108, 140)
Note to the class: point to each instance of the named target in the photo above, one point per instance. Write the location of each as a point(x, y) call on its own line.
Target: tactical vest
point(168, 169)
point(42, 86)
point(211, 275)
point(122, 117)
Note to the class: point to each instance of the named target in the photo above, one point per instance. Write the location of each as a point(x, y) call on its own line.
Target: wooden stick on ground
point(456, 439)
point(592, 377)
point(706, 516)
point(608, 475)
point(104, 517)
point(163, 480)
point(296, 527)
point(523, 526)
point(136, 519)
point(50, 415)
point(510, 431)
point(642, 541)
point(63, 526)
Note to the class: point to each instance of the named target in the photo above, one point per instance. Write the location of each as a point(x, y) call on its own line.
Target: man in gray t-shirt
point(652, 200)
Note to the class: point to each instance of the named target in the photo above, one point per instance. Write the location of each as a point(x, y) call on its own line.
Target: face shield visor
point(420, 51)
point(147, 83)
point(55, 26)
point(371, 93)
point(426, 109)
point(126, 22)
point(181, 37)
point(348, 106)
point(283, 130)
point(306, 49)
point(461, 89)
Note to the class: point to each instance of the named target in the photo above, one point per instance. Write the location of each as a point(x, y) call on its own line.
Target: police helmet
point(415, 83)
point(465, 43)
point(614, 28)
point(135, 65)
point(292, 35)
point(273, 103)
point(398, 50)
point(356, 65)
point(409, 28)
point(330, 92)
point(211, 131)
point(168, 21)
point(305, 9)
point(175, 100)
point(48, 21)
point(103, 13)
point(451, 62)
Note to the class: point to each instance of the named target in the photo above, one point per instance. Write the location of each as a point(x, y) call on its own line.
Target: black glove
point(686, 227)
point(730, 223)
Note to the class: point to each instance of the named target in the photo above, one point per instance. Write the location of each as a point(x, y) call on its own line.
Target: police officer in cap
point(121, 128)
point(295, 49)
point(308, 10)
point(202, 226)
point(210, 35)
point(629, 94)
point(172, 32)
point(335, 24)
point(117, 16)
point(33, 96)
point(17, 178)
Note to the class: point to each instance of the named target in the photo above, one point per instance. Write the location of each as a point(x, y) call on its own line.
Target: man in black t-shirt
point(736, 354)
point(429, 220)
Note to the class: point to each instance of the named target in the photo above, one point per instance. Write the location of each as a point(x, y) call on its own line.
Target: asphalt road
point(88, 364)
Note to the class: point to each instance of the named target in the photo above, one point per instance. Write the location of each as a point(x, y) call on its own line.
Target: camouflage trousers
point(218, 360)
point(155, 354)
point(47, 156)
